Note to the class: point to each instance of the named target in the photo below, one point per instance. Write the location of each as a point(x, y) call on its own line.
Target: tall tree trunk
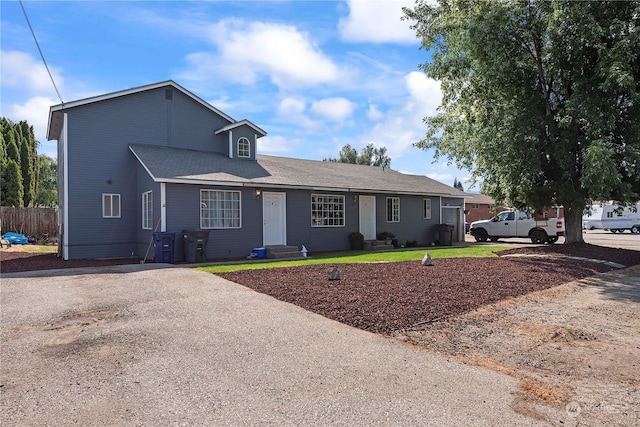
point(573, 225)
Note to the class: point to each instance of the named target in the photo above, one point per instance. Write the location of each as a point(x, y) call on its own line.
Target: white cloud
point(293, 110)
point(36, 112)
point(247, 51)
point(22, 71)
point(334, 109)
point(274, 145)
point(377, 21)
point(402, 126)
point(373, 113)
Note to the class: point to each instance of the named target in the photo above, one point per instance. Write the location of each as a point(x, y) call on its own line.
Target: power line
point(41, 54)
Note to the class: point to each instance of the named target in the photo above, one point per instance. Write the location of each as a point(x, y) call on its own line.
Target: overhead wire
point(40, 50)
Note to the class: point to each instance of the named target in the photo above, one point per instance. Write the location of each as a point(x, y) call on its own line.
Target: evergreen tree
point(18, 144)
point(28, 162)
point(11, 184)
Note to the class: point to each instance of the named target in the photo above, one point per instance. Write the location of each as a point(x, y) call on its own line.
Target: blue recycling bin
point(163, 244)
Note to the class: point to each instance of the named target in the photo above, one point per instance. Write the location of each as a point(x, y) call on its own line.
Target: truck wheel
point(614, 230)
point(538, 236)
point(481, 235)
point(552, 240)
point(635, 229)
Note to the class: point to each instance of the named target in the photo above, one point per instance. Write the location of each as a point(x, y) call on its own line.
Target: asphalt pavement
point(154, 345)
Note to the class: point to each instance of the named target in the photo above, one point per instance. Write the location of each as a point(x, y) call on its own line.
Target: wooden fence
point(35, 223)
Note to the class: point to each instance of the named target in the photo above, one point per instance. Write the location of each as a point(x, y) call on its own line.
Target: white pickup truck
point(517, 224)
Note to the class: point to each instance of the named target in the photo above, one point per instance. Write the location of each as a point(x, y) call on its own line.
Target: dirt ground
point(575, 348)
point(568, 329)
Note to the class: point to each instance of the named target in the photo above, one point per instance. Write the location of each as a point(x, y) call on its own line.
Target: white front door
point(274, 219)
point(367, 216)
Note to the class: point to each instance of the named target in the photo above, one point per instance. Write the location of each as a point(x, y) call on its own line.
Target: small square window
point(110, 205)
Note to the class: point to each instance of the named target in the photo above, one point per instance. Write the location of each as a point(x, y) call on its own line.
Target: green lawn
point(348, 257)
point(44, 249)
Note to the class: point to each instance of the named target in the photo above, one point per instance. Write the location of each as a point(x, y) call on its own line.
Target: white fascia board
point(199, 182)
point(142, 163)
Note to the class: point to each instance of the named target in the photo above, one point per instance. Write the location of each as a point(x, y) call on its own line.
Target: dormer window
point(244, 149)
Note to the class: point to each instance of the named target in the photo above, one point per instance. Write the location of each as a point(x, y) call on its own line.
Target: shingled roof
point(167, 164)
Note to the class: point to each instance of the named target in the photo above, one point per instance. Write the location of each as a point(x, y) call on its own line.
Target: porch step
point(376, 245)
point(282, 252)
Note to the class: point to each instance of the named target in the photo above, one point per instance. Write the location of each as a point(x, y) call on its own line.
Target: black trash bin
point(195, 245)
point(163, 244)
point(445, 233)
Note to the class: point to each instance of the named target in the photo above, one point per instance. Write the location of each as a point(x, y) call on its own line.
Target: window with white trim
point(219, 209)
point(110, 205)
point(475, 206)
point(393, 209)
point(327, 210)
point(244, 147)
point(426, 208)
point(147, 210)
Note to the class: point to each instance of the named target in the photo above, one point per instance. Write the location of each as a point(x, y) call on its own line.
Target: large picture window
point(327, 210)
point(244, 147)
point(147, 210)
point(219, 209)
point(110, 205)
point(426, 208)
point(393, 209)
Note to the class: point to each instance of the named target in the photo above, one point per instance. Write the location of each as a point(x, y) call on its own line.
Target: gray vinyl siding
point(318, 239)
point(183, 213)
point(98, 139)
point(144, 244)
point(412, 225)
point(250, 134)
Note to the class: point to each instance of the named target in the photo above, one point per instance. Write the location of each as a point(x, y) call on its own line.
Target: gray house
point(158, 159)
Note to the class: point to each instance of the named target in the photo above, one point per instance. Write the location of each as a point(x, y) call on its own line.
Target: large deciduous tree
point(540, 99)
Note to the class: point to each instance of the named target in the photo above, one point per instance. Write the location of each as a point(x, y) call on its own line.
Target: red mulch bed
point(382, 297)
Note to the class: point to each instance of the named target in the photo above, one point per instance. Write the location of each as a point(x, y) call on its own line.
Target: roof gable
point(56, 112)
point(243, 122)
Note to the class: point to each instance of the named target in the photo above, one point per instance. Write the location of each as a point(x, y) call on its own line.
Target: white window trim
point(111, 196)
point(147, 214)
point(395, 216)
point(315, 224)
point(425, 210)
point(248, 147)
point(239, 209)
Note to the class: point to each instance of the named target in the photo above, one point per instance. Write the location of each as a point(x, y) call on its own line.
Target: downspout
point(231, 144)
point(163, 207)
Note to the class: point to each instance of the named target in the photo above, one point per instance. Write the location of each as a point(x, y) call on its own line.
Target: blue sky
point(315, 75)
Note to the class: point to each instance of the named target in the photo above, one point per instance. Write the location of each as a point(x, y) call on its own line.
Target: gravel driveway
point(146, 345)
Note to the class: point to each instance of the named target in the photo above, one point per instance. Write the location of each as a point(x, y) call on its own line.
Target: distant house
point(157, 158)
point(478, 207)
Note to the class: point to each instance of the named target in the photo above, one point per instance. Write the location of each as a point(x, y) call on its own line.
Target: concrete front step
point(282, 252)
point(376, 245)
